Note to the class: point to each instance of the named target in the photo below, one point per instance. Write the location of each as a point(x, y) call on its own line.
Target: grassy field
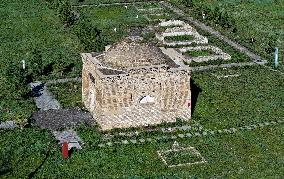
point(29, 25)
point(250, 154)
point(256, 95)
point(109, 18)
point(252, 97)
point(257, 20)
point(25, 26)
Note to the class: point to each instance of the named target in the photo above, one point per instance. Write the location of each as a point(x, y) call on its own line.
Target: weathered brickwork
point(147, 88)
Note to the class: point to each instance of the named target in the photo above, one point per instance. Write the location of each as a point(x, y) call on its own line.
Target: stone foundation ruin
point(134, 84)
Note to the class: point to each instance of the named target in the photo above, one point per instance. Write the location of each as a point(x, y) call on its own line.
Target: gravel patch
point(61, 118)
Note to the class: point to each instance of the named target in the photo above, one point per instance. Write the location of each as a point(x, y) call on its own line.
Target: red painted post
point(64, 150)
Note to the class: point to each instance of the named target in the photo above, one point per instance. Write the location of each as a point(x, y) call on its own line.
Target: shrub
point(90, 36)
point(16, 79)
point(66, 15)
point(35, 65)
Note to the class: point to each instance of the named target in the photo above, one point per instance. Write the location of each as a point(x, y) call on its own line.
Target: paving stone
point(158, 138)
point(226, 131)
point(219, 131)
point(266, 123)
point(133, 141)
point(124, 142)
point(204, 133)
point(149, 140)
point(69, 136)
point(101, 145)
point(109, 143)
point(181, 135)
point(8, 125)
point(197, 134)
point(165, 137)
point(122, 134)
point(233, 130)
point(188, 134)
point(42, 97)
point(248, 127)
point(185, 128)
point(261, 124)
point(142, 140)
point(173, 137)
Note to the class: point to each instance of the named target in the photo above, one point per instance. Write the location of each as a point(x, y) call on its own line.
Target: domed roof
point(133, 54)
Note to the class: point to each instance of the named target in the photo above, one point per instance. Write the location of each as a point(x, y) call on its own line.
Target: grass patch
point(198, 53)
point(68, 94)
point(245, 154)
point(25, 26)
point(180, 157)
point(252, 97)
point(111, 17)
point(179, 38)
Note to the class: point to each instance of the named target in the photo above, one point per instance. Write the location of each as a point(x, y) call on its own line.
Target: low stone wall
point(219, 54)
point(180, 31)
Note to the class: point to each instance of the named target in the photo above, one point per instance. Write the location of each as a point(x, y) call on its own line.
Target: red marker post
point(64, 150)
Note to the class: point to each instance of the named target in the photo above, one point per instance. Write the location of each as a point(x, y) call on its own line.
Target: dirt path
point(257, 59)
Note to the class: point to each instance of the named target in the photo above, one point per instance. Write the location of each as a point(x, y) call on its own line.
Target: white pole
point(276, 57)
point(24, 64)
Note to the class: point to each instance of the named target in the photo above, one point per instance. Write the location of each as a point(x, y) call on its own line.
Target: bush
point(35, 65)
point(90, 36)
point(16, 79)
point(66, 15)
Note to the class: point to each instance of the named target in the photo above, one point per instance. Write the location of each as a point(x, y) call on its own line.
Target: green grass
point(247, 154)
point(236, 56)
point(255, 96)
point(27, 25)
point(108, 18)
point(179, 38)
point(68, 94)
point(260, 20)
point(180, 157)
point(198, 53)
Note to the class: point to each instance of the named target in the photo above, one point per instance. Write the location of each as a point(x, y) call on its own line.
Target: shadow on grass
point(195, 90)
point(32, 174)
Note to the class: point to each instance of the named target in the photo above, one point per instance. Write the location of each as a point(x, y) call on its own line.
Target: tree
point(65, 12)
point(187, 3)
point(90, 36)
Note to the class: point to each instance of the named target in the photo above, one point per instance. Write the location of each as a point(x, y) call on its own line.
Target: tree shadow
point(195, 90)
point(32, 174)
point(48, 68)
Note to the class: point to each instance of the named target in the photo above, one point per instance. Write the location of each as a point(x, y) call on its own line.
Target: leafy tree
point(91, 37)
point(187, 3)
point(65, 13)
